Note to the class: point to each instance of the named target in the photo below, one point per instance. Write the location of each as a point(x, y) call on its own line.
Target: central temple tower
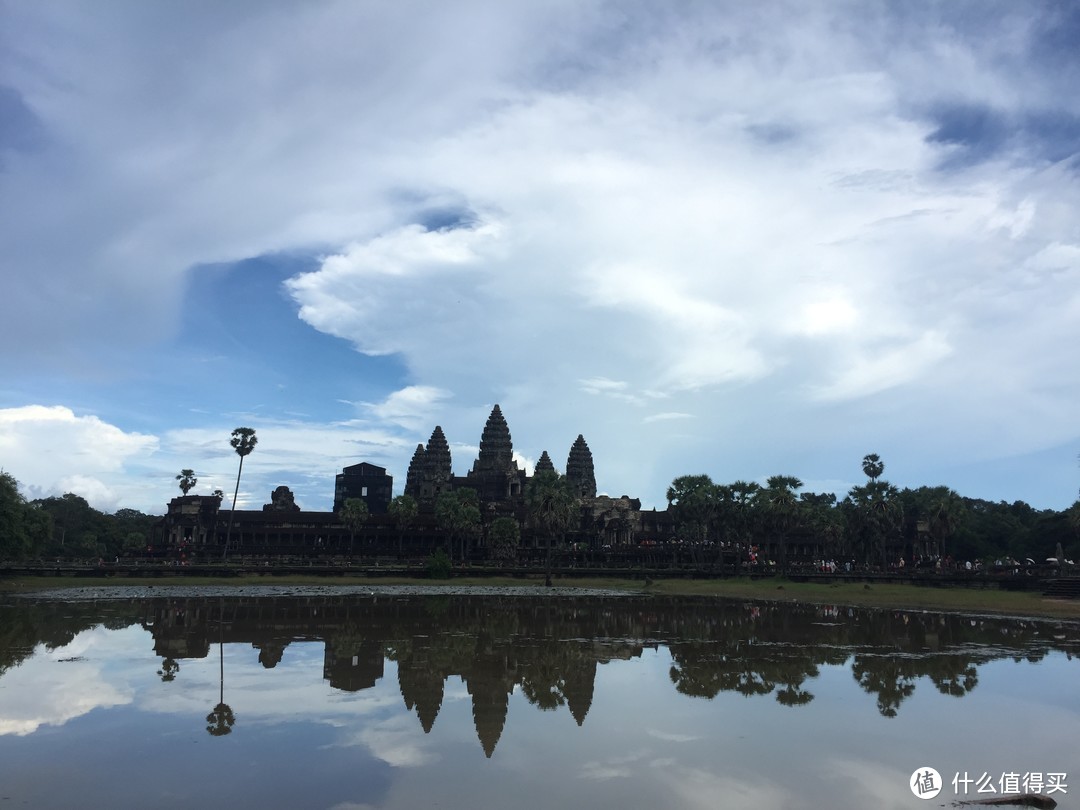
point(495, 475)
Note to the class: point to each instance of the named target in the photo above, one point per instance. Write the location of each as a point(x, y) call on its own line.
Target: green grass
point(973, 600)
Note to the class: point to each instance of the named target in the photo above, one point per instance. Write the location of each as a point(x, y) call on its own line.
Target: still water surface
point(393, 700)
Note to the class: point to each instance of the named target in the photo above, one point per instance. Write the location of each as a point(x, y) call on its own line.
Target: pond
point(278, 698)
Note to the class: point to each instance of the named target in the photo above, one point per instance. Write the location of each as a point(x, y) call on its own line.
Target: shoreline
point(890, 596)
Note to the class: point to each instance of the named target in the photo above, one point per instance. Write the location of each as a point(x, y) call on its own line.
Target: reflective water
point(464, 701)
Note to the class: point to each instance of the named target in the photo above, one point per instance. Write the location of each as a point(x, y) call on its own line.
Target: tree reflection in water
point(549, 648)
point(221, 719)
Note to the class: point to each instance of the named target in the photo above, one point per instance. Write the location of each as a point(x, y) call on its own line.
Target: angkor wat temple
point(197, 524)
point(495, 475)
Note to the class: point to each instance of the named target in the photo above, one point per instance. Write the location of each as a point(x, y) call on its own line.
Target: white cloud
point(395, 742)
point(51, 689)
point(52, 451)
point(743, 212)
point(412, 407)
point(872, 371)
point(667, 416)
point(524, 463)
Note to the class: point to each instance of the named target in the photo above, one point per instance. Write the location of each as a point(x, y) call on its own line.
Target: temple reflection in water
point(550, 648)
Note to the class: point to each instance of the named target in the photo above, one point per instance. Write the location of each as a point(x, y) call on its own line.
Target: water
point(393, 700)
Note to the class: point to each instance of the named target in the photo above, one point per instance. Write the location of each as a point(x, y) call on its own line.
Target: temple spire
point(579, 469)
point(416, 472)
point(496, 447)
point(544, 464)
point(437, 458)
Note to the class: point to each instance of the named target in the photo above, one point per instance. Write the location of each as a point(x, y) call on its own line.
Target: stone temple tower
point(544, 464)
point(579, 469)
point(495, 475)
point(430, 471)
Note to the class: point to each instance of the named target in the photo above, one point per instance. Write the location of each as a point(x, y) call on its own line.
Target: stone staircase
point(1063, 588)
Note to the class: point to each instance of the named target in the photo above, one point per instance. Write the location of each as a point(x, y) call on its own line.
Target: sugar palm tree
point(243, 442)
point(782, 509)
point(354, 514)
point(878, 515)
point(873, 466)
point(221, 719)
point(458, 514)
point(552, 508)
point(945, 515)
point(402, 512)
point(742, 499)
point(692, 499)
point(187, 480)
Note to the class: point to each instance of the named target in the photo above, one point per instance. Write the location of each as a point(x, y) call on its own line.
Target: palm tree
point(782, 509)
point(824, 520)
point(354, 514)
point(402, 511)
point(878, 514)
point(873, 466)
point(221, 719)
point(945, 515)
point(187, 480)
point(458, 514)
point(243, 442)
point(504, 537)
point(742, 499)
point(692, 499)
point(552, 507)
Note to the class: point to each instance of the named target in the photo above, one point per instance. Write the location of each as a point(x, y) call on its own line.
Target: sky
point(736, 239)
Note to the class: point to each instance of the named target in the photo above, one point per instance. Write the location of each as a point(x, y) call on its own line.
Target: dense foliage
point(872, 517)
point(66, 526)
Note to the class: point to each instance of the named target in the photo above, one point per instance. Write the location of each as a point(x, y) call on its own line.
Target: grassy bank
point(915, 597)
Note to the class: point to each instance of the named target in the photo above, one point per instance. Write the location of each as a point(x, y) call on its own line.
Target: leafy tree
point(692, 500)
point(187, 480)
point(24, 529)
point(354, 514)
point(942, 510)
point(402, 511)
point(504, 537)
point(458, 513)
point(552, 507)
point(439, 565)
point(243, 441)
point(74, 523)
point(169, 668)
point(128, 530)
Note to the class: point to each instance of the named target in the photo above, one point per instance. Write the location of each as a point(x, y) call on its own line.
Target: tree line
point(66, 526)
point(874, 523)
point(873, 520)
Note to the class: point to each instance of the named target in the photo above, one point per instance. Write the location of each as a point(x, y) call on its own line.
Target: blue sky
point(711, 238)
